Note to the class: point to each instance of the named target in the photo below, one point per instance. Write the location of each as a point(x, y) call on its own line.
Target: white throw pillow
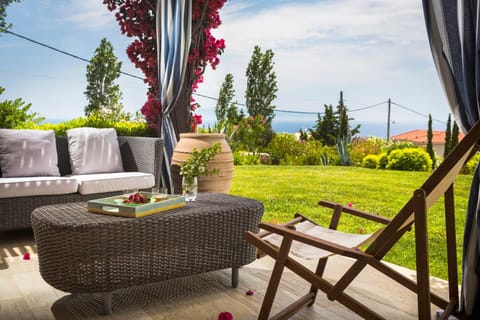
point(94, 150)
point(28, 153)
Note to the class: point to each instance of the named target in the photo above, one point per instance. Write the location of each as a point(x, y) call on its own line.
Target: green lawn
point(285, 190)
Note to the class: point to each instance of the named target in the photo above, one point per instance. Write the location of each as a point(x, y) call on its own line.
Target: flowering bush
point(197, 164)
point(250, 133)
point(137, 20)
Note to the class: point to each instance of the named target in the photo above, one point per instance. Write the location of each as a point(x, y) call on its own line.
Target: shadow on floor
point(15, 244)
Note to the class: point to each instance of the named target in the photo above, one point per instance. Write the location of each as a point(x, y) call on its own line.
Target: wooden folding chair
point(301, 237)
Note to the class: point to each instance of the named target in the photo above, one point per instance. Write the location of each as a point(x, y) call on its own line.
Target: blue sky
point(371, 50)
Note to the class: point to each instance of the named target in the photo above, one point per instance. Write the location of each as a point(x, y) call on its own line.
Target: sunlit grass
point(285, 190)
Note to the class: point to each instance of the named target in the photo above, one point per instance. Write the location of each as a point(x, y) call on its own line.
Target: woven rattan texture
point(81, 251)
point(138, 154)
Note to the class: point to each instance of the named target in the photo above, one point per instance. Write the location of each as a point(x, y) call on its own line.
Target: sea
point(367, 128)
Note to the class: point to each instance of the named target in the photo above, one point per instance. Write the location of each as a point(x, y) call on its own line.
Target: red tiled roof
point(420, 136)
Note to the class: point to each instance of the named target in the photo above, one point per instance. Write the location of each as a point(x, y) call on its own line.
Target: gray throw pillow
point(28, 153)
point(94, 150)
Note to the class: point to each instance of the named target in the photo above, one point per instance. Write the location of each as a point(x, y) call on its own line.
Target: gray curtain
point(453, 31)
point(174, 28)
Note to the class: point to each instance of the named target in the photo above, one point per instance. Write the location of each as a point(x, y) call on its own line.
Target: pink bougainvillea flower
point(225, 315)
point(137, 20)
point(26, 256)
point(249, 292)
point(350, 204)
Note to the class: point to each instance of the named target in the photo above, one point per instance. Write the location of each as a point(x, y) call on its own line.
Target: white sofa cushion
point(107, 182)
point(28, 153)
point(94, 150)
point(36, 186)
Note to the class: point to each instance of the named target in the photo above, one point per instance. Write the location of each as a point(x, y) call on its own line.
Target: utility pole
point(341, 99)
point(388, 118)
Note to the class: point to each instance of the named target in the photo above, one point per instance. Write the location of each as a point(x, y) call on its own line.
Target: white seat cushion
point(118, 181)
point(36, 186)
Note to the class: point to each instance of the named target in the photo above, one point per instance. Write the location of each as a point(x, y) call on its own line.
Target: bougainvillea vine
point(137, 20)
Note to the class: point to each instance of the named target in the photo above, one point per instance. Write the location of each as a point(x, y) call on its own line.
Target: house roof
point(420, 136)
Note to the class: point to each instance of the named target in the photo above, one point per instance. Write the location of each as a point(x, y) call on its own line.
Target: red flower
point(26, 256)
point(249, 292)
point(196, 120)
point(137, 20)
point(225, 315)
point(350, 204)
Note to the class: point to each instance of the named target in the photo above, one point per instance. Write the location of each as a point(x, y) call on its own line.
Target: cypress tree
point(343, 126)
point(430, 150)
point(448, 137)
point(455, 133)
point(226, 110)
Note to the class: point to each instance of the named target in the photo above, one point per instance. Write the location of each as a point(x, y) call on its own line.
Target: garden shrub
point(361, 147)
point(382, 160)
point(123, 128)
point(370, 161)
point(252, 134)
point(396, 145)
point(285, 149)
point(471, 165)
point(245, 158)
point(409, 159)
point(314, 153)
point(283, 145)
point(329, 156)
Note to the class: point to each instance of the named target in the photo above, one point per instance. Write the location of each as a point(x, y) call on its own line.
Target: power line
point(368, 107)
point(295, 111)
point(244, 105)
point(64, 52)
point(416, 112)
point(213, 98)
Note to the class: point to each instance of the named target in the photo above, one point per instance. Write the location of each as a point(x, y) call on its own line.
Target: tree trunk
point(180, 115)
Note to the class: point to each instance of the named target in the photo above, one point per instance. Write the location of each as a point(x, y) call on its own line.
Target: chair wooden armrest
point(298, 218)
point(338, 209)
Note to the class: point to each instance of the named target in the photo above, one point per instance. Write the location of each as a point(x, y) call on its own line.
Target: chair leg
point(421, 247)
point(275, 279)
point(320, 269)
point(451, 246)
point(235, 277)
point(107, 303)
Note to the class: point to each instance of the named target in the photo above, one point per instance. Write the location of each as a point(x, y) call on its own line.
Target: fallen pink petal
point(26, 256)
point(225, 315)
point(249, 292)
point(350, 204)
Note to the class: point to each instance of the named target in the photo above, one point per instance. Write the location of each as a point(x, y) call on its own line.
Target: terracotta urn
point(223, 161)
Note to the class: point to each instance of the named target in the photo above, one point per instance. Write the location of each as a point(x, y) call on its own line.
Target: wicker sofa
point(140, 154)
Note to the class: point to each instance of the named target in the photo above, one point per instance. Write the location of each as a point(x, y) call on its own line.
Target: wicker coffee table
point(84, 252)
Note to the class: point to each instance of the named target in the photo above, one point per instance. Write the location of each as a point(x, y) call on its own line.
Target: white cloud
point(87, 14)
point(322, 47)
point(371, 49)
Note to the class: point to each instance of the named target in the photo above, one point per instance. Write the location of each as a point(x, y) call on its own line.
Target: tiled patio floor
point(25, 295)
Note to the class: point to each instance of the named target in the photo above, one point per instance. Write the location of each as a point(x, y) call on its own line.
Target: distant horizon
point(367, 129)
